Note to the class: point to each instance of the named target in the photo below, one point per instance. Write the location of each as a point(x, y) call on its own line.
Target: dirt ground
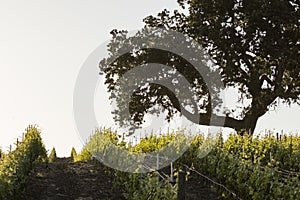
point(64, 179)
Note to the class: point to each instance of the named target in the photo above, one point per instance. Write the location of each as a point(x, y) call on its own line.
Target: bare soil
point(64, 179)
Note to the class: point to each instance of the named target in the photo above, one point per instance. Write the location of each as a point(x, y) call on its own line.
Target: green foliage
point(100, 146)
point(245, 39)
point(145, 186)
point(248, 181)
point(1, 153)
point(52, 156)
point(98, 142)
point(153, 143)
point(73, 153)
point(16, 165)
point(283, 153)
point(84, 155)
point(253, 44)
point(134, 186)
point(241, 163)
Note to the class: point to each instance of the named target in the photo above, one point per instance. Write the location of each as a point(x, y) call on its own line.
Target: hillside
point(64, 179)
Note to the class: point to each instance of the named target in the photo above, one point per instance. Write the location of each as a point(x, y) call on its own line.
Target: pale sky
point(43, 45)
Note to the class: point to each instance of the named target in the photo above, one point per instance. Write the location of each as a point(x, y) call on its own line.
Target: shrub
point(52, 156)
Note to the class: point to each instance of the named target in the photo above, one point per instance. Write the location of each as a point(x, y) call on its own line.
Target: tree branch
point(263, 78)
point(208, 118)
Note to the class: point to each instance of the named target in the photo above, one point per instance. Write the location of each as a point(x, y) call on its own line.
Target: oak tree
point(254, 45)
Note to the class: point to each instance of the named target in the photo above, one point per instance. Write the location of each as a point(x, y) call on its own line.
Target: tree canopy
point(254, 46)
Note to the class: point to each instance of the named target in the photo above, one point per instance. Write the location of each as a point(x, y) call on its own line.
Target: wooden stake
point(181, 185)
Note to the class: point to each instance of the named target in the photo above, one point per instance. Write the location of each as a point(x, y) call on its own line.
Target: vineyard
point(240, 167)
point(16, 166)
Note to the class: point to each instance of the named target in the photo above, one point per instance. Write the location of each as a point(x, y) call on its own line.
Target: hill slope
point(64, 179)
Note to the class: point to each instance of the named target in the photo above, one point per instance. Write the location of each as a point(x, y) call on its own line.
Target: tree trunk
point(242, 126)
point(247, 126)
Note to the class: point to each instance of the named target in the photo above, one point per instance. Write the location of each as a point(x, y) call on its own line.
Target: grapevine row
point(241, 164)
point(15, 166)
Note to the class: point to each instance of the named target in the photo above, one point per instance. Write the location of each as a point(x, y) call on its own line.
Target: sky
point(43, 46)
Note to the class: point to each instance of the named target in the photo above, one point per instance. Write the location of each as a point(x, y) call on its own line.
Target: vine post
point(181, 184)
